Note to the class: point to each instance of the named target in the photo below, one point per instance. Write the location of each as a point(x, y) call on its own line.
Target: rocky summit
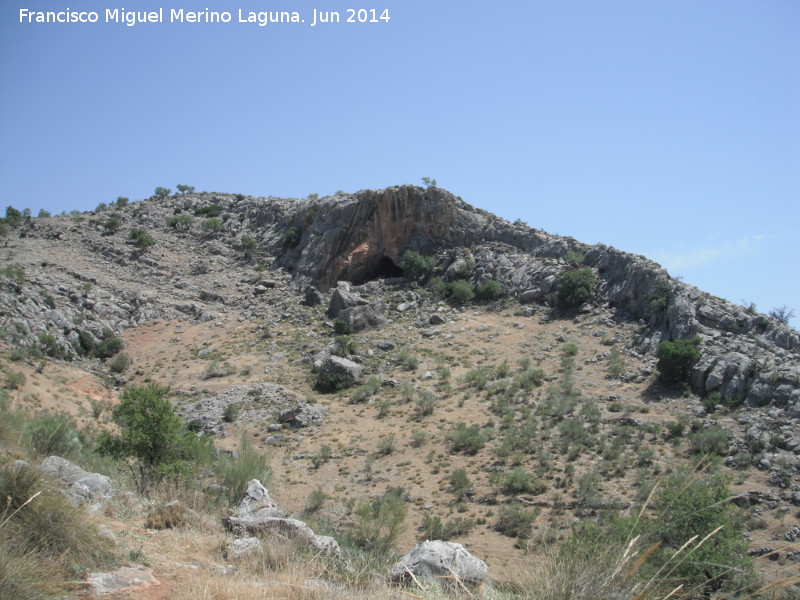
point(394, 352)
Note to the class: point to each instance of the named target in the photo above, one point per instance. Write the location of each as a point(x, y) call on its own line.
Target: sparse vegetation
point(416, 266)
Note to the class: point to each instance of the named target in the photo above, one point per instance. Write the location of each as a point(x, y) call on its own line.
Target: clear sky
point(665, 128)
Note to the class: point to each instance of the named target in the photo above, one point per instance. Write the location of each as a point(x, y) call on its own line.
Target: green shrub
point(466, 439)
point(162, 192)
point(529, 379)
point(140, 238)
point(315, 501)
point(378, 523)
point(234, 472)
point(112, 225)
point(570, 349)
point(690, 504)
point(515, 521)
point(461, 292)
point(488, 291)
point(185, 189)
point(51, 347)
point(386, 444)
point(713, 440)
point(216, 368)
point(676, 359)
point(231, 412)
point(15, 272)
point(433, 528)
point(364, 392)
point(477, 378)
point(120, 363)
point(659, 298)
point(15, 380)
point(211, 225)
point(341, 327)
point(43, 214)
point(109, 347)
point(575, 287)
point(291, 238)
point(13, 217)
point(519, 481)
point(574, 258)
point(122, 201)
point(407, 361)
point(426, 403)
point(328, 383)
point(179, 222)
point(416, 266)
point(460, 483)
point(47, 435)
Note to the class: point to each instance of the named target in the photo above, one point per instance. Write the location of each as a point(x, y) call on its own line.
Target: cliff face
point(364, 236)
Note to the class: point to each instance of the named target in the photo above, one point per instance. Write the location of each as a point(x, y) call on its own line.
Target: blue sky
point(665, 128)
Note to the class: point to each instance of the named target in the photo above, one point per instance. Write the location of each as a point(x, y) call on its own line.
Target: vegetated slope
point(560, 405)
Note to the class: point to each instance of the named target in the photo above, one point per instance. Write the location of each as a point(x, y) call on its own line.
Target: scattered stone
point(244, 548)
point(437, 319)
point(124, 579)
point(349, 370)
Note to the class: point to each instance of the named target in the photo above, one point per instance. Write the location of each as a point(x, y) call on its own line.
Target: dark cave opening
point(384, 269)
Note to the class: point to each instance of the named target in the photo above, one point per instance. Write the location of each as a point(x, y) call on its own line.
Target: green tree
point(162, 192)
point(416, 266)
point(112, 225)
point(693, 504)
point(676, 359)
point(461, 292)
point(574, 287)
point(185, 189)
point(13, 216)
point(141, 239)
point(122, 200)
point(152, 441)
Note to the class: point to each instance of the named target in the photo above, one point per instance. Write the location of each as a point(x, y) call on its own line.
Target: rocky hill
point(237, 301)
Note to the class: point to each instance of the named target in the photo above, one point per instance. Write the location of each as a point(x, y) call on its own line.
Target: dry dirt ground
point(166, 352)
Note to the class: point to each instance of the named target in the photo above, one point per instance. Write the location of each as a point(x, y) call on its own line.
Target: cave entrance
point(383, 269)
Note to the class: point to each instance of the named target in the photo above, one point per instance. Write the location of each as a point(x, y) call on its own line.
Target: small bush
point(217, 369)
point(51, 347)
point(291, 238)
point(168, 516)
point(378, 523)
point(15, 380)
point(519, 481)
point(15, 273)
point(341, 327)
point(212, 225)
point(112, 225)
point(466, 439)
point(234, 473)
point(140, 238)
point(386, 444)
point(713, 440)
point(515, 521)
point(407, 361)
point(425, 403)
point(109, 347)
point(179, 222)
point(315, 501)
point(122, 201)
point(574, 287)
point(676, 359)
point(47, 435)
point(488, 291)
point(162, 192)
point(461, 292)
point(210, 211)
point(460, 483)
point(328, 383)
point(120, 363)
point(416, 266)
point(231, 412)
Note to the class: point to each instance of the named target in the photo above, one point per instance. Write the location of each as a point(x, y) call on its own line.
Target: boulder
point(289, 528)
point(368, 316)
point(349, 370)
point(244, 548)
point(312, 296)
point(124, 579)
point(442, 561)
point(256, 503)
point(342, 299)
point(82, 487)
